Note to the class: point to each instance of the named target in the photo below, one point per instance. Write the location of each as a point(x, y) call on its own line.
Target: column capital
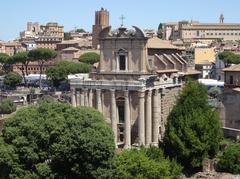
point(112, 90)
point(149, 93)
point(141, 93)
point(156, 92)
point(85, 89)
point(126, 93)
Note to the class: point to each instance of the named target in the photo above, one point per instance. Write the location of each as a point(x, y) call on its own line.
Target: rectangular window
point(231, 80)
point(198, 33)
point(122, 62)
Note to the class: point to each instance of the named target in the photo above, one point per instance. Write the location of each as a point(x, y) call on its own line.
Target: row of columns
point(148, 124)
point(148, 113)
point(82, 97)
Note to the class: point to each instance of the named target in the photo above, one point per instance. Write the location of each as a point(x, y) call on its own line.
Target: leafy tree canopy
point(229, 57)
point(193, 130)
point(6, 62)
point(80, 30)
point(62, 69)
point(21, 57)
point(7, 106)
point(145, 164)
point(42, 54)
point(12, 79)
point(230, 160)
point(55, 140)
point(4, 57)
point(89, 58)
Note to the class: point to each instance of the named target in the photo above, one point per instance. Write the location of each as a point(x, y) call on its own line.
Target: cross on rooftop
point(122, 18)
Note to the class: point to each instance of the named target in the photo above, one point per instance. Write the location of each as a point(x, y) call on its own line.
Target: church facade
point(135, 85)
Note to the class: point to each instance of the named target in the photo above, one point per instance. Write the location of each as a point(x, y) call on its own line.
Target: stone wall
point(231, 107)
point(168, 100)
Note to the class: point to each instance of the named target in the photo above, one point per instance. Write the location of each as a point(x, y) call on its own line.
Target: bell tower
point(101, 21)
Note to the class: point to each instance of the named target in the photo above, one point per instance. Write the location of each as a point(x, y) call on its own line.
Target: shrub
point(145, 164)
point(230, 160)
point(7, 106)
point(12, 79)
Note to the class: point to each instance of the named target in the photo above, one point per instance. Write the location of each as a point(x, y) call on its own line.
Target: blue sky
point(143, 13)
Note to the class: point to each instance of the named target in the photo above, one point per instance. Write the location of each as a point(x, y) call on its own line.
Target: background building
point(11, 47)
point(33, 29)
point(194, 30)
point(52, 29)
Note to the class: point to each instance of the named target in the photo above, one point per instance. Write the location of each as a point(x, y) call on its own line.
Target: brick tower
point(101, 21)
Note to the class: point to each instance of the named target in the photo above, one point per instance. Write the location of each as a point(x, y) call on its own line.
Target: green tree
point(80, 30)
point(230, 160)
point(229, 58)
point(62, 69)
point(6, 62)
point(145, 164)
point(7, 106)
point(41, 55)
point(160, 31)
point(23, 59)
point(193, 131)
point(55, 140)
point(12, 79)
point(89, 58)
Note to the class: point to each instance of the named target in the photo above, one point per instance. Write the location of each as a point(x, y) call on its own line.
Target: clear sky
point(143, 13)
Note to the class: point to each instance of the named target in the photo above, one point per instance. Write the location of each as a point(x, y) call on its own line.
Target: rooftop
point(70, 49)
point(213, 26)
point(234, 68)
point(157, 43)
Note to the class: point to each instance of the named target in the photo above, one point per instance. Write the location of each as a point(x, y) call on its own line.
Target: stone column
point(73, 97)
point(86, 97)
point(78, 98)
point(113, 115)
point(141, 122)
point(90, 98)
point(149, 118)
point(98, 100)
point(81, 98)
point(127, 127)
point(113, 62)
point(100, 62)
point(156, 117)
